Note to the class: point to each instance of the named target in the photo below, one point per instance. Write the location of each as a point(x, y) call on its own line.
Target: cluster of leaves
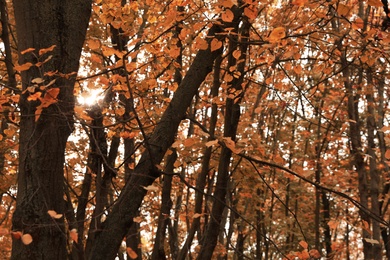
point(311, 73)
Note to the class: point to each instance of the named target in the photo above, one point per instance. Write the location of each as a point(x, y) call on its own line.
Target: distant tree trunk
point(232, 117)
point(374, 173)
point(41, 24)
point(166, 206)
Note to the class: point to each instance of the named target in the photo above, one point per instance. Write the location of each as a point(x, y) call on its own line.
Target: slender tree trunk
point(121, 217)
point(41, 24)
point(232, 117)
point(166, 206)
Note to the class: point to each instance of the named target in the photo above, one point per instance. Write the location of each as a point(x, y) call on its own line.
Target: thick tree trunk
point(41, 24)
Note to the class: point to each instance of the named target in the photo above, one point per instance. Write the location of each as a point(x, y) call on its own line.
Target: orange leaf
point(387, 154)
point(333, 224)
point(73, 235)
point(299, 2)
point(24, 67)
point(343, 9)
point(228, 16)
point(201, 44)
point(27, 239)
point(250, 12)
point(16, 234)
point(43, 51)
point(34, 96)
point(227, 3)
point(27, 50)
point(375, 3)
point(93, 44)
point(277, 34)
point(189, 142)
point(132, 254)
point(303, 244)
point(215, 44)
point(38, 113)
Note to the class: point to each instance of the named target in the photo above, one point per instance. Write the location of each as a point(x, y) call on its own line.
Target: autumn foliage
point(216, 129)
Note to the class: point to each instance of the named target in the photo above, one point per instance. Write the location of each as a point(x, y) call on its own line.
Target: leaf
point(50, 97)
point(333, 224)
point(358, 23)
point(189, 142)
point(343, 10)
point(201, 44)
point(236, 54)
point(303, 244)
point(93, 44)
point(38, 113)
point(37, 81)
point(372, 241)
point(227, 4)
point(27, 239)
point(43, 51)
point(215, 44)
point(228, 16)
point(299, 2)
point(74, 235)
point(24, 66)
point(314, 253)
point(16, 234)
point(54, 214)
point(250, 12)
point(211, 143)
point(385, 129)
point(132, 254)
point(137, 219)
point(27, 51)
point(375, 3)
point(34, 96)
point(231, 145)
point(387, 154)
point(197, 215)
point(151, 188)
point(277, 34)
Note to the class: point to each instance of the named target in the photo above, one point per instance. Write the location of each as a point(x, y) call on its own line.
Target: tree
point(217, 130)
point(50, 38)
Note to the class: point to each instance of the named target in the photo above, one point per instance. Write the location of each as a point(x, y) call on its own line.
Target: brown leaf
point(27, 239)
point(43, 51)
point(228, 16)
point(215, 44)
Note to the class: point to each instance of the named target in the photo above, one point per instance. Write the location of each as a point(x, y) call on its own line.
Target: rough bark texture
point(121, 217)
point(41, 24)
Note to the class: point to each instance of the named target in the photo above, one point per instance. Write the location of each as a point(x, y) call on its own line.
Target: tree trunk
point(41, 24)
point(121, 217)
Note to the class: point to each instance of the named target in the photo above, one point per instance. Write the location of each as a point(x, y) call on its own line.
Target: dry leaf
point(43, 51)
point(27, 239)
point(24, 66)
point(303, 244)
point(215, 44)
point(27, 50)
point(228, 16)
point(151, 188)
point(277, 34)
point(211, 143)
point(376, 3)
point(74, 235)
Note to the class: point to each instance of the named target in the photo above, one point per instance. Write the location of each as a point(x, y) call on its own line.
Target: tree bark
point(41, 24)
